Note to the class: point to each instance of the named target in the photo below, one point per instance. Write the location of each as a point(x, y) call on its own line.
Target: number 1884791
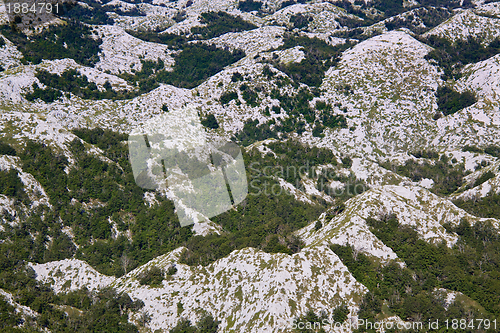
point(35, 8)
point(474, 324)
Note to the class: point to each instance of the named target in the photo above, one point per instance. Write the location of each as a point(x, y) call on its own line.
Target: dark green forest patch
point(156, 230)
point(409, 291)
point(461, 268)
point(48, 94)
point(172, 40)
point(287, 3)
point(298, 113)
point(12, 186)
point(431, 13)
point(447, 177)
point(69, 81)
point(488, 206)
point(352, 185)
point(300, 21)
point(295, 155)
point(91, 13)
point(451, 57)
point(6, 149)
point(219, 23)
point(103, 311)
point(328, 119)
point(319, 57)
point(72, 40)
point(265, 220)
point(193, 65)
point(249, 5)
point(483, 178)
point(228, 96)
point(491, 150)
point(450, 101)
point(210, 122)
point(72, 81)
point(253, 131)
point(196, 63)
point(28, 241)
point(430, 16)
point(297, 108)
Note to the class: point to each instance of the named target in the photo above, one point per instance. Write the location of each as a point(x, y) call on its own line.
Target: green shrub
point(340, 313)
point(210, 122)
point(300, 21)
point(92, 180)
point(334, 121)
point(236, 77)
point(9, 317)
point(267, 72)
point(318, 131)
point(249, 96)
point(48, 168)
point(228, 96)
point(152, 277)
point(483, 178)
point(207, 324)
point(11, 185)
point(6, 149)
point(352, 187)
point(180, 16)
point(69, 81)
point(290, 3)
point(390, 7)
point(253, 132)
point(318, 225)
point(297, 108)
point(346, 162)
point(450, 101)
point(265, 220)
point(102, 138)
point(431, 16)
point(492, 150)
point(428, 154)
point(171, 270)
point(172, 40)
point(409, 291)
point(275, 246)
